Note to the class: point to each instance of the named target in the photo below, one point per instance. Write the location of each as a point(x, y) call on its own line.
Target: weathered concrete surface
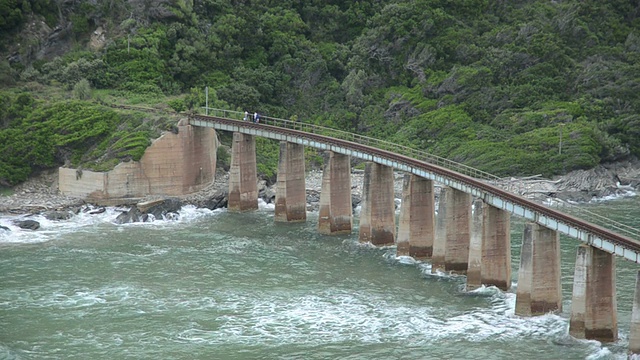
point(440, 239)
point(335, 212)
point(417, 218)
point(601, 320)
point(174, 164)
point(496, 248)
point(458, 233)
point(579, 294)
point(377, 218)
point(243, 180)
point(594, 304)
point(291, 198)
point(474, 272)
point(634, 329)
point(539, 287)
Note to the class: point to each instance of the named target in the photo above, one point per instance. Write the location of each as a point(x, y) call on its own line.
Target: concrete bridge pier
point(417, 218)
point(594, 305)
point(458, 231)
point(377, 217)
point(291, 198)
point(335, 212)
point(539, 287)
point(243, 182)
point(440, 238)
point(634, 330)
point(496, 248)
point(474, 271)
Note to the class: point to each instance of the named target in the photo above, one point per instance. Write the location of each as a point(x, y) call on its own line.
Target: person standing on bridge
point(246, 115)
point(256, 117)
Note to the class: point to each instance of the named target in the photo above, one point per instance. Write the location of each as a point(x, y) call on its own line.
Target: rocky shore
point(40, 193)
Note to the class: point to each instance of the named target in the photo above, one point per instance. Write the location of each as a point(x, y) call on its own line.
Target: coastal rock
point(160, 208)
point(356, 200)
point(153, 209)
point(27, 224)
point(98, 211)
point(131, 216)
point(58, 215)
point(219, 200)
point(267, 194)
point(40, 194)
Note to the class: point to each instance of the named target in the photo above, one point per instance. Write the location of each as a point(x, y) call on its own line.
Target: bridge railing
point(577, 211)
point(597, 219)
point(360, 139)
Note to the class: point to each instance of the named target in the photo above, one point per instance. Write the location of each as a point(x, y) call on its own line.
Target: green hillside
point(510, 87)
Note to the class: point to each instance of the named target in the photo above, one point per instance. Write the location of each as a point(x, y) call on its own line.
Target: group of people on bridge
point(253, 118)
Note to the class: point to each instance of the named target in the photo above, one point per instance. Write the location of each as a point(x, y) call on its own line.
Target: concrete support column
point(335, 212)
point(594, 304)
point(377, 218)
point(634, 330)
point(539, 288)
point(417, 218)
point(291, 198)
point(496, 248)
point(474, 272)
point(440, 239)
point(243, 182)
point(458, 233)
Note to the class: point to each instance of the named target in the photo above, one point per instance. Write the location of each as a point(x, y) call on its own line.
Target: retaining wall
point(174, 164)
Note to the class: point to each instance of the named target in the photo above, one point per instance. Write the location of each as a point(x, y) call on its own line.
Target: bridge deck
point(455, 175)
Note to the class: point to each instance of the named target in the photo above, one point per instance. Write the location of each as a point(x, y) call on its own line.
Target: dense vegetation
point(511, 87)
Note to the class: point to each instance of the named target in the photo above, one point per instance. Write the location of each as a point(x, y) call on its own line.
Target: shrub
point(177, 104)
point(82, 90)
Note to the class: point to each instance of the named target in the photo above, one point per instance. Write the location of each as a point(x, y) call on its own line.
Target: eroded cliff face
point(174, 165)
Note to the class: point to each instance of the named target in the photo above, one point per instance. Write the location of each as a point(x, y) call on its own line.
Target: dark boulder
point(131, 216)
point(219, 200)
point(58, 215)
point(27, 224)
point(98, 211)
point(313, 196)
point(160, 208)
point(267, 194)
point(4, 228)
point(355, 201)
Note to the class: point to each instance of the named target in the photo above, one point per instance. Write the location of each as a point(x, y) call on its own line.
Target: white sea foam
point(340, 316)
point(622, 194)
point(406, 260)
point(262, 205)
point(84, 221)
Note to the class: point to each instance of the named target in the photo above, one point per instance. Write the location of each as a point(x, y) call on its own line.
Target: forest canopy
point(509, 87)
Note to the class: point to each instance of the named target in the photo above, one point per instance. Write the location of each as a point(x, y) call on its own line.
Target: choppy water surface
point(216, 285)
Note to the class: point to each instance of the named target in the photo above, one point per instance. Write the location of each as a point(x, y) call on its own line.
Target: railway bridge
point(469, 233)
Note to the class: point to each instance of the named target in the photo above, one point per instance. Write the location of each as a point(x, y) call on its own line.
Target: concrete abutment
point(175, 164)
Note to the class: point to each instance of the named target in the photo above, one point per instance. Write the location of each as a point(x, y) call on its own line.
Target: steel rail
point(483, 186)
